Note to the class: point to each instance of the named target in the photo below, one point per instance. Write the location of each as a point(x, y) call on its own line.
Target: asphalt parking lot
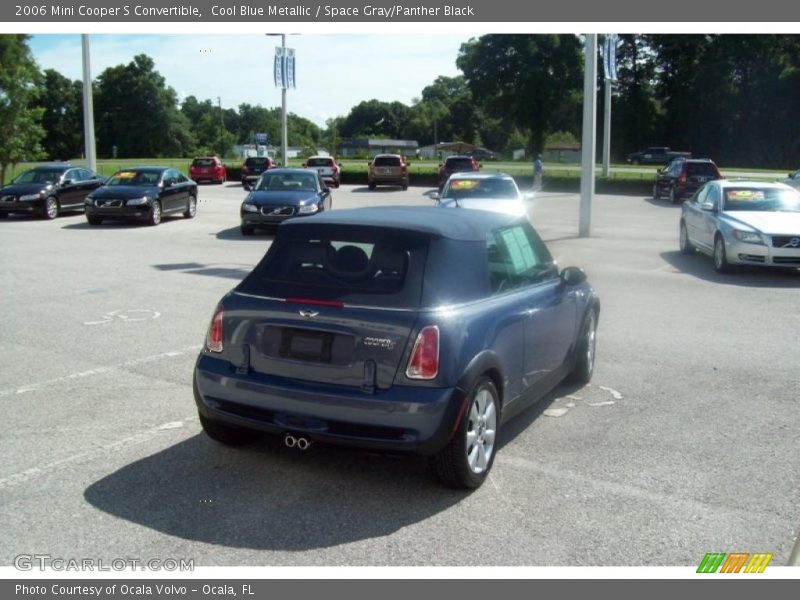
point(686, 442)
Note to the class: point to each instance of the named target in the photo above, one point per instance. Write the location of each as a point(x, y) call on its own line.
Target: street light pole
point(607, 128)
point(88, 108)
point(284, 128)
point(589, 135)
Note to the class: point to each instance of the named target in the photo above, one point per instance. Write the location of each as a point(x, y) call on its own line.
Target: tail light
point(682, 177)
point(474, 164)
point(424, 361)
point(245, 169)
point(335, 168)
point(214, 336)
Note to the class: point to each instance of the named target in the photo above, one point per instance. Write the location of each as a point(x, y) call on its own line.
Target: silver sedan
point(743, 223)
point(496, 192)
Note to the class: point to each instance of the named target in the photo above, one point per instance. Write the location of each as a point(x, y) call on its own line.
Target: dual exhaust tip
point(299, 442)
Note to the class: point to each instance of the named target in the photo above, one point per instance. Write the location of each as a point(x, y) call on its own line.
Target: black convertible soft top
point(462, 225)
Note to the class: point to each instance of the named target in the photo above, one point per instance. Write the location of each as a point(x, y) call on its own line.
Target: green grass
point(426, 168)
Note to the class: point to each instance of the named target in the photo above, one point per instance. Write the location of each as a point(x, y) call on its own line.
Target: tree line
point(730, 97)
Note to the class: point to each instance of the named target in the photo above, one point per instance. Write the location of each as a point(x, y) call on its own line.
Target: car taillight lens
point(245, 169)
point(474, 165)
point(424, 361)
point(335, 168)
point(214, 337)
point(682, 177)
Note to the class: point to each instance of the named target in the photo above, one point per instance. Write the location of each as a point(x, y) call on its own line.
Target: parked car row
point(143, 194)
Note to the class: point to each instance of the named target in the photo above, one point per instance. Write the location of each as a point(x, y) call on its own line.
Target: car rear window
point(372, 266)
point(319, 162)
point(203, 162)
point(255, 161)
point(704, 169)
point(459, 163)
point(387, 161)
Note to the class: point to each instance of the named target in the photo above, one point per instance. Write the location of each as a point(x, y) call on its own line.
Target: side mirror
point(529, 196)
point(435, 196)
point(573, 276)
point(708, 206)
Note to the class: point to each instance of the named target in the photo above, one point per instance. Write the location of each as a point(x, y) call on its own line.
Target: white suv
point(327, 168)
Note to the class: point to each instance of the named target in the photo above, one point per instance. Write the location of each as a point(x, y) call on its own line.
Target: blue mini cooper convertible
point(405, 329)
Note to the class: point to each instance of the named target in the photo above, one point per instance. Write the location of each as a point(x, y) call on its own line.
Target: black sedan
point(410, 329)
point(143, 194)
point(283, 193)
point(48, 190)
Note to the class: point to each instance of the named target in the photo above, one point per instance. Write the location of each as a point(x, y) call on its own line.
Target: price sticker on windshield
point(464, 184)
point(745, 195)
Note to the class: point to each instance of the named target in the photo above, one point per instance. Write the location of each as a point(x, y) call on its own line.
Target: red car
point(253, 167)
point(208, 168)
point(455, 164)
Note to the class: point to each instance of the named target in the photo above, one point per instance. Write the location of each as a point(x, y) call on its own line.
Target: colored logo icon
point(735, 562)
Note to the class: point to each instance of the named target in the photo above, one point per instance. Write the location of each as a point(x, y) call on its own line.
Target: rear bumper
point(406, 419)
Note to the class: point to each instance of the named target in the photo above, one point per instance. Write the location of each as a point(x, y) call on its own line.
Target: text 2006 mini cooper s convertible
point(404, 329)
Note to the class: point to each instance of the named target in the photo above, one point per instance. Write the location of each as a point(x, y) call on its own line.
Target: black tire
point(683, 240)
point(247, 230)
point(656, 195)
point(191, 207)
point(227, 435)
point(583, 363)
point(371, 186)
point(51, 208)
point(452, 464)
point(405, 187)
point(673, 196)
point(721, 264)
point(3, 215)
point(93, 220)
point(155, 214)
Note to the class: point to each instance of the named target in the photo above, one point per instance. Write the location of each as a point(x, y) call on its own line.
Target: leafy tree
point(20, 119)
point(374, 118)
point(137, 112)
point(524, 78)
point(62, 101)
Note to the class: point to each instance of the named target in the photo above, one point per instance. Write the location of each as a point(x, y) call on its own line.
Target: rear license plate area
point(307, 346)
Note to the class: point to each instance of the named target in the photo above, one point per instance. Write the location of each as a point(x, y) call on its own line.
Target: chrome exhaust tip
point(303, 443)
point(289, 440)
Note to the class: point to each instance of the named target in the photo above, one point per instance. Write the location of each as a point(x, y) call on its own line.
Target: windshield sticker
point(126, 175)
point(520, 251)
point(745, 195)
point(464, 184)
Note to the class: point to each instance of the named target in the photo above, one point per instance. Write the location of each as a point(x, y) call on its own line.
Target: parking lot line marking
point(32, 387)
point(137, 438)
point(614, 393)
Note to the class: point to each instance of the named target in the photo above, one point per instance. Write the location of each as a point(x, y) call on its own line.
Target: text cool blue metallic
point(406, 329)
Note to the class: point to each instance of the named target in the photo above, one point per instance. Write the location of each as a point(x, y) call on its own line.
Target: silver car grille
point(277, 211)
point(107, 203)
point(786, 241)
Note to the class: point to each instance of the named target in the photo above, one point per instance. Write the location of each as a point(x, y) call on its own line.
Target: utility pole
point(88, 108)
point(607, 128)
point(589, 134)
point(221, 124)
point(284, 128)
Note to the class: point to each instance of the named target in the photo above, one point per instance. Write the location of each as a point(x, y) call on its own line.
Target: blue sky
point(334, 72)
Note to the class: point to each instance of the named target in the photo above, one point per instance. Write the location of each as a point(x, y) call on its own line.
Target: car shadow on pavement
point(121, 224)
point(702, 267)
point(663, 203)
point(269, 497)
point(384, 189)
point(520, 422)
point(235, 234)
point(237, 272)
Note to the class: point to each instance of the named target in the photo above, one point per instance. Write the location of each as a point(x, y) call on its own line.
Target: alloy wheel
point(481, 431)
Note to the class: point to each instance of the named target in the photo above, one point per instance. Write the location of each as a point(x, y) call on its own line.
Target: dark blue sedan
point(280, 194)
point(404, 329)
